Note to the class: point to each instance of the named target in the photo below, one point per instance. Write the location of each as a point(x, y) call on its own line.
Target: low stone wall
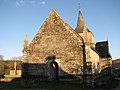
point(12, 76)
point(17, 72)
point(9, 78)
point(6, 79)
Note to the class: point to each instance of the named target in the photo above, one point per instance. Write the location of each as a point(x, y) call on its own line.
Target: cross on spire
point(80, 13)
point(79, 6)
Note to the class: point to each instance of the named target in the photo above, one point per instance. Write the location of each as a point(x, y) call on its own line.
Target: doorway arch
point(54, 70)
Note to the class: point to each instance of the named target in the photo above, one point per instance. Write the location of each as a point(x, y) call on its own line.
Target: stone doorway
point(54, 70)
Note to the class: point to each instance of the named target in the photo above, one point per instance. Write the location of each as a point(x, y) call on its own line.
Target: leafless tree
point(1, 57)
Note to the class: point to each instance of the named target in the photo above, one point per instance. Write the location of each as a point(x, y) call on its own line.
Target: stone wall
point(54, 38)
point(13, 72)
point(95, 59)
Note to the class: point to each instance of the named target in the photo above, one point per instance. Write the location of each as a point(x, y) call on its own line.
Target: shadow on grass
point(53, 85)
point(49, 85)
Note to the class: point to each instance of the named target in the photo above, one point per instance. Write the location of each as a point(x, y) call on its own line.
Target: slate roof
point(103, 49)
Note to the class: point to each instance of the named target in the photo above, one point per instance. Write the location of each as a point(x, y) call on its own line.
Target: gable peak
point(53, 12)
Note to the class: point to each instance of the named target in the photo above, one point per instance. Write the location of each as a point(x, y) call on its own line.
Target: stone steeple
point(80, 23)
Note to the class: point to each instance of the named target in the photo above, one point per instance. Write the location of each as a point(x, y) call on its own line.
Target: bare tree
point(1, 57)
point(17, 58)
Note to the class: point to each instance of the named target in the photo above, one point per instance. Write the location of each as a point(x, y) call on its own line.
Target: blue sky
point(21, 17)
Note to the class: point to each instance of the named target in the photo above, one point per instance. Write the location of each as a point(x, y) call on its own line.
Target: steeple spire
point(79, 11)
point(80, 22)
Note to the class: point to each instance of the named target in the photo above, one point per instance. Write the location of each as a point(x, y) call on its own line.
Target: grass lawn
point(55, 85)
point(44, 85)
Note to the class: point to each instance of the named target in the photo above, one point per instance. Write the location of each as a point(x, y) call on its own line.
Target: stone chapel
point(58, 51)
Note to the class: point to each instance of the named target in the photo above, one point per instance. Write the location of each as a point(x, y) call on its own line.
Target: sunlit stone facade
point(57, 50)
